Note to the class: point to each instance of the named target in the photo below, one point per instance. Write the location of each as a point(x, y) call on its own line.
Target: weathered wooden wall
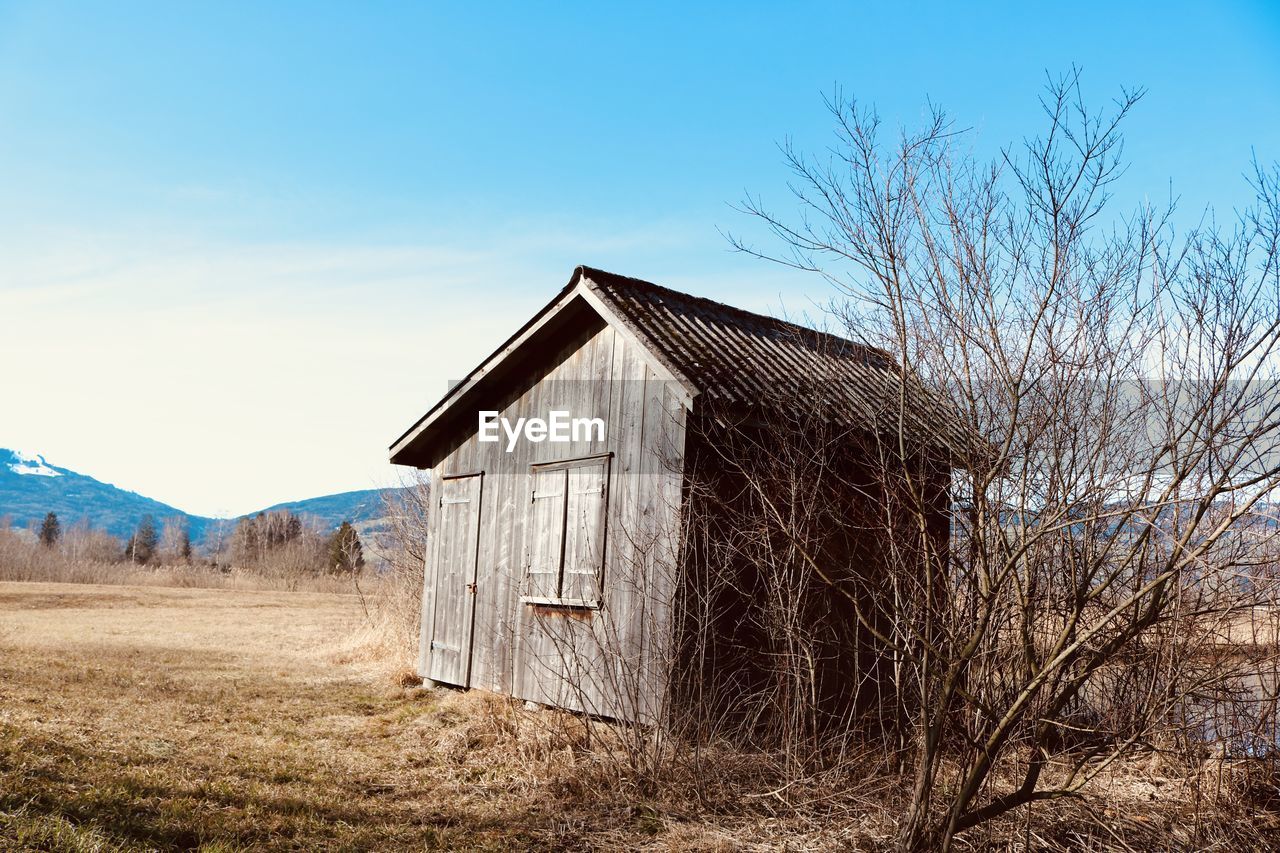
point(611, 660)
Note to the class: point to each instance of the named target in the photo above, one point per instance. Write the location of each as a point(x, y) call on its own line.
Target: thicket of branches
point(1109, 588)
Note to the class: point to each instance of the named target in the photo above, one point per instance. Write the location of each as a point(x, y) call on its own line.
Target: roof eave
point(398, 450)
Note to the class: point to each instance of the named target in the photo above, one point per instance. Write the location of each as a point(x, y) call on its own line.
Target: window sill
point(568, 603)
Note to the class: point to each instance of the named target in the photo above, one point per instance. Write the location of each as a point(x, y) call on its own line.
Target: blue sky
point(242, 246)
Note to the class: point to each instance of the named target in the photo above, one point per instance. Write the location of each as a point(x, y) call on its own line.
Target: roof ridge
point(617, 279)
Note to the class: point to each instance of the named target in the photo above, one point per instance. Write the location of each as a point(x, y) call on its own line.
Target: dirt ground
point(139, 718)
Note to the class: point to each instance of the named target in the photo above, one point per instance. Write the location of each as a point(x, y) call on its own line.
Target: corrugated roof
point(728, 358)
point(741, 359)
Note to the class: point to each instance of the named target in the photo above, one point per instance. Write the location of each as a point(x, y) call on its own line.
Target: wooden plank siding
point(604, 655)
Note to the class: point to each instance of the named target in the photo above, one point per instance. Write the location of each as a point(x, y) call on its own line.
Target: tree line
point(277, 542)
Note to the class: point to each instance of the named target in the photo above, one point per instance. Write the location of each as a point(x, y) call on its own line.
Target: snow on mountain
point(31, 464)
point(30, 487)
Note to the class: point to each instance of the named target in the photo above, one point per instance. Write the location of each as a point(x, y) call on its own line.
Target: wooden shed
point(560, 471)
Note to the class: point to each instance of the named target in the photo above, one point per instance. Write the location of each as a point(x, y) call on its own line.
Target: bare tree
point(1111, 539)
point(175, 541)
point(82, 543)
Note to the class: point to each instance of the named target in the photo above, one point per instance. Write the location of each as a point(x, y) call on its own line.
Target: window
point(566, 532)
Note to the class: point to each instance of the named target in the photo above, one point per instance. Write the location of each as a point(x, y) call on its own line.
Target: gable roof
point(723, 355)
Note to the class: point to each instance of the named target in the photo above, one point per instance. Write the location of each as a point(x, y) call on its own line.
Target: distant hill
point(30, 487)
point(332, 510)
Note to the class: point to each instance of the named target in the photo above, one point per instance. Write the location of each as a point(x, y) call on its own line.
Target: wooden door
point(456, 552)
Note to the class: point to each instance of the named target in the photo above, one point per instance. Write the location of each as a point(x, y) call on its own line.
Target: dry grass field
point(137, 718)
point(153, 718)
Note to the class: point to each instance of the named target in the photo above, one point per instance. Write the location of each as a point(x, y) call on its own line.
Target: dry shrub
point(494, 750)
point(391, 596)
point(88, 556)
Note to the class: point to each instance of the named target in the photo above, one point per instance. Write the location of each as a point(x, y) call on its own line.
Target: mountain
point(30, 487)
point(332, 510)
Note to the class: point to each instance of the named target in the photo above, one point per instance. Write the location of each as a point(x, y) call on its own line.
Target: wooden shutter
point(546, 533)
point(585, 530)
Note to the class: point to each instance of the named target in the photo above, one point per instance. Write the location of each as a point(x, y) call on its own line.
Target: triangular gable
point(418, 446)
